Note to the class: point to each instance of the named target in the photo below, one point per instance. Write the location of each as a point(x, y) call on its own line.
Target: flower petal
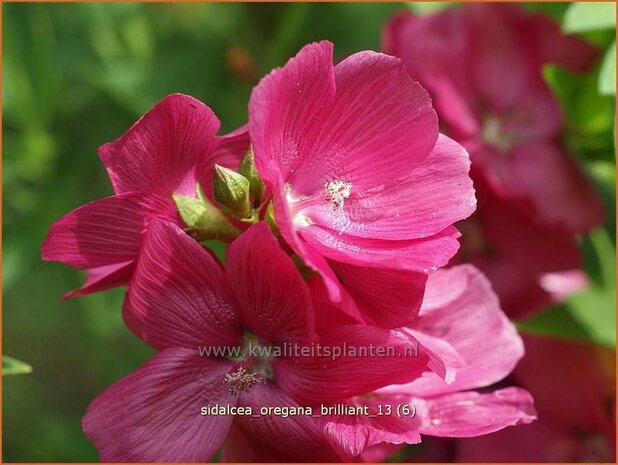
point(103, 278)
point(153, 414)
point(354, 434)
point(389, 298)
point(461, 309)
point(286, 108)
point(380, 124)
point(160, 151)
point(178, 296)
point(428, 198)
point(273, 298)
point(104, 232)
point(414, 254)
point(295, 436)
point(328, 376)
point(469, 414)
point(551, 180)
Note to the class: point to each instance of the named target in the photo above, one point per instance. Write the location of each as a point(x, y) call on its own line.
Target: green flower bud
point(231, 190)
point(204, 221)
point(247, 169)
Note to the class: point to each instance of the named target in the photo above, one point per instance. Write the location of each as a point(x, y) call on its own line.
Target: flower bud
point(247, 169)
point(231, 190)
point(204, 221)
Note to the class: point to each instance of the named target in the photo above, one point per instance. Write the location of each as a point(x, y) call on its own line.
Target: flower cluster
point(337, 204)
point(482, 66)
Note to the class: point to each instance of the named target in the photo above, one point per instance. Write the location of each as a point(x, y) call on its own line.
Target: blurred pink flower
point(167, 151)
point(576, 422)
point(180, 299)
point(461, 321)
point(360, 177)
point(481, 64)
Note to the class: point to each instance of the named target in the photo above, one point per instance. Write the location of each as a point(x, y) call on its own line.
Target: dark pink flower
point(481, 64)
point(168, 151)
point(576, 422)
point(179, 299)
point(358, 172)
point(460, 320)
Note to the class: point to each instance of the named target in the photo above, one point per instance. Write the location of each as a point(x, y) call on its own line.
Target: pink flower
point(460, 320)
point(361, 179)
point(576, 423)
point(481, 63)
point(180, 299)
point(168, 151)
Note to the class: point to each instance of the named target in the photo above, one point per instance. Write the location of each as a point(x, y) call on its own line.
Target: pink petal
point(153, 414)
point(568, 51)
point(274, 301)
point(296, 436)
point(178, 296)
point(469, 414)
point(414, 254)
point(534, 443)
point(286, 108)
point(310, 257)
point(437, 61)
point(554, 184)
point(321, 377)
point(389, 298)
point(103, 278)
point(307, 134)
point(354, 434)
point(104, 232)
point(588, 369)
point(461, 309)
point(519, 236)
point(426, 199)
point(160, 151)
point(381, 124)
point(243, 447)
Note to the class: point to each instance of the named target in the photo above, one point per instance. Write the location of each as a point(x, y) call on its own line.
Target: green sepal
point(203, 220)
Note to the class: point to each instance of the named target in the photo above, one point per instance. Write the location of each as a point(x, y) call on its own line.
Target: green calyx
point(204, 220)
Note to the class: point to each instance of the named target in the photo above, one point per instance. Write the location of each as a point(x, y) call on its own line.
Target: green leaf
point(590, 16)
point(11, 366)
point(607, 77)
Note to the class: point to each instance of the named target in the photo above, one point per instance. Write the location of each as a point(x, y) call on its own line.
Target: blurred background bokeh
point(78, 75)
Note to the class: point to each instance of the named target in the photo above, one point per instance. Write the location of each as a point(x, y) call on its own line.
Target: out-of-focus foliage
point(12, 366)
point(77, 75)
point(592, 16)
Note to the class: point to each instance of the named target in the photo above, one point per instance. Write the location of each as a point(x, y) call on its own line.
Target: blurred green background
point(78, 75)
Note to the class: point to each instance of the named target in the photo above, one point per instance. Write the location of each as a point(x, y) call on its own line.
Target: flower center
point(496, 134)
point(336, 192)
point(255, 365)
point(242, 380)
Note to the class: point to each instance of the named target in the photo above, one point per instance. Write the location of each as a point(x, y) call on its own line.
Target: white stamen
point(241, 380)
point(336, 193)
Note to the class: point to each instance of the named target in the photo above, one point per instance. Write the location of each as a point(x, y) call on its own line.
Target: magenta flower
point(180, 299)
point(359, 175)
point(576, 424)
point(482, 66)
point(460, 320)
point(168, 151)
